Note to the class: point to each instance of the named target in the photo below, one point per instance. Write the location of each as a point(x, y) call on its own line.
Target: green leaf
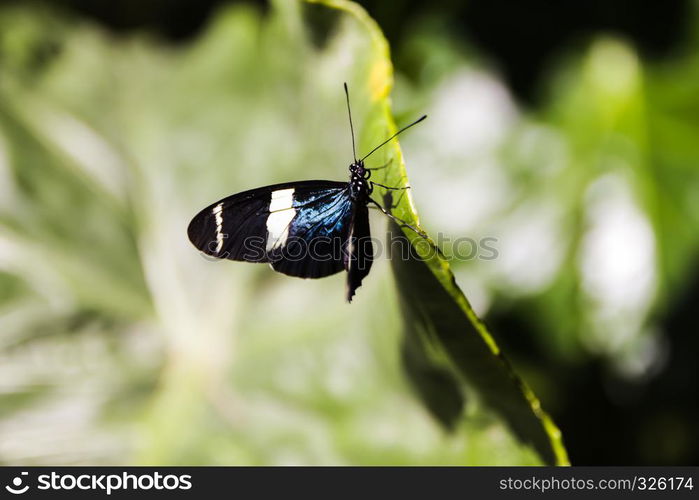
point(447, 348)
point(440, 321)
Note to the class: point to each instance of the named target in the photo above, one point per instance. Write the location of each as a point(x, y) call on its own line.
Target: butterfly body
point(359, 185)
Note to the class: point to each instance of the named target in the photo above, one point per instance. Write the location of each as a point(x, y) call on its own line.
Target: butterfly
point(308, 229)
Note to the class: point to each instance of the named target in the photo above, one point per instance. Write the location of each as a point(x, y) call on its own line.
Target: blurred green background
point(566, 130)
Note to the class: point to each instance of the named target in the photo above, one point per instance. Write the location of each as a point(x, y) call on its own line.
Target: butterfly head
point(357, 169)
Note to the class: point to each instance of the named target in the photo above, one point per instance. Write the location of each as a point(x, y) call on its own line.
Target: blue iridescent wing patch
point(314, 243)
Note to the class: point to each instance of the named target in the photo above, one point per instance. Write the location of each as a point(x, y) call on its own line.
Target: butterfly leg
point(389, 187)
point(401, 222)
point(379, 168)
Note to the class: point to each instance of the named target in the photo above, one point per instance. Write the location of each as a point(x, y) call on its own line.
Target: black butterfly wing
point(359, 253)
point(266, 224)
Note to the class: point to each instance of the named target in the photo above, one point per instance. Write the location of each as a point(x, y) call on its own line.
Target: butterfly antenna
point(387, 140)
point(349, 112)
